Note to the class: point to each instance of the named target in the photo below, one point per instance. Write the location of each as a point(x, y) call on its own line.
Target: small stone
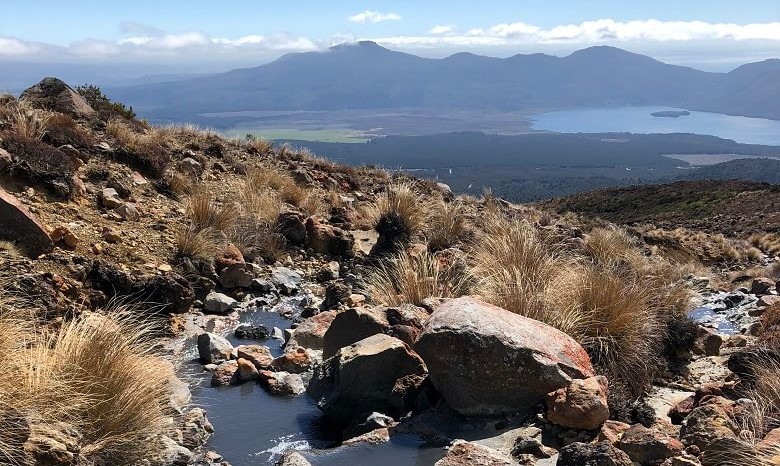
point(246, 371)
point(252, 332)
point(294, 361)
point(109, 198)
point(356, 299)
point(127, 211)
point(112, 235)
point(218, 303)
point(225, 374)
point(259, 356)
point(164, 268)
point(238, 275)
point(96, 248)
point(580, 405)
point(761, 286)
point(213, 348)
point(292, 458)
point(63, 234)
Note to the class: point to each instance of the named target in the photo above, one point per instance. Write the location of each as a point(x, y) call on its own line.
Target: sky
point(198, 35)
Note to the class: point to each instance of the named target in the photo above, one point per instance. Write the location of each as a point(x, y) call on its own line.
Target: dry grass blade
point(194, 242)
point(447, 225)
point(410, 278)
point(514, 268)
point(614, 322)
point(205, 213)
point(28, 122)
point(403, 200)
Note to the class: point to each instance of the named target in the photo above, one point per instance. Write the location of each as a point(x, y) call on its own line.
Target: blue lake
point(639, 120)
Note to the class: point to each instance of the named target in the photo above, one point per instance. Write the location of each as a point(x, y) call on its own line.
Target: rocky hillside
point(490, 333)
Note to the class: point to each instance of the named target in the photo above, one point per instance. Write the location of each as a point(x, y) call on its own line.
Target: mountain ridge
point(366, 75)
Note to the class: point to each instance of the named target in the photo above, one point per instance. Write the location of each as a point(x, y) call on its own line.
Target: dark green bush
point(102, 104)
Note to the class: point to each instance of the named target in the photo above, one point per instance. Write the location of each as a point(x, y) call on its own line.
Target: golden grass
point(259, 146)
point(709, 248)
point(609, 245)
point(763, 413)
point(205, 213)
point(401, 199)
point(514, 269)
point(99, 373)
point(194, 242)
point(411, 278)
point(607, 295)
point(447, 225)
point(766, 242)
point(27, 122)
point(611, 315)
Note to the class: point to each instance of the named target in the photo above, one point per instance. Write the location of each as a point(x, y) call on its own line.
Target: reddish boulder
point(19, 225)
point(487, 361)
point(327, 239)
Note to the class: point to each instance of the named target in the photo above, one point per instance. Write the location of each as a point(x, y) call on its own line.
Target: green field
point(343, 135)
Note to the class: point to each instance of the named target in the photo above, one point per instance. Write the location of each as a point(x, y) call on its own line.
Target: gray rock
point(213, 349)
point(236, 275)
point(487, 361)
point(592, 454)
point(352, 326)
point(54, 94)
point(127, 211)
point(218, 303)
point(377, 374)
point(287, 281)
point(166, 452)
point(292, 458)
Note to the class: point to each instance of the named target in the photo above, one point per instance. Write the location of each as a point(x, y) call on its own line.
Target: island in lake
point(671, 113)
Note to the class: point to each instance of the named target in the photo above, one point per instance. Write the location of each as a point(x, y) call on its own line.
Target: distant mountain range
point(367, 76)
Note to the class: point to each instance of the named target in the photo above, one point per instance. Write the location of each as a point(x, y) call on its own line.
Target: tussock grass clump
point(259, 146)
point(611, 245)
point(763, 414)
point(607, 295)
point(206, 213)
point(514, 269)
point(27, 122)
point(708, 248)
point(197, 243)
point(405, 202)
point(447, 225)
point(145, 149)
point(612, 317)
point(99, 373)
point(62, 129)
point(411, 277)
point(768, 242)
point(210, 223)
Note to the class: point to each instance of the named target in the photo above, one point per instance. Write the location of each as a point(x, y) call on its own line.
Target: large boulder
point(487, 361)
point(379, 373)
point(352, 326)
point(19, 225)
point(54, 94)
point(213, 348)
point(649, 446)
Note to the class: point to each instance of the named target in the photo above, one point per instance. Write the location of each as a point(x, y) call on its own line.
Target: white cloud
point(11, 46)
point(589, 32)
point(370, 16)
point(442, 30)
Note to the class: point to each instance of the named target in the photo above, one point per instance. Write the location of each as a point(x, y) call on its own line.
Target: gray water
point(254, 428)
point(638, 120)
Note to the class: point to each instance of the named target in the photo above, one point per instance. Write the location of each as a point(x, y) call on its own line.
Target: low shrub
point(102, 104)
point(62, 129)
point(41, 163)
